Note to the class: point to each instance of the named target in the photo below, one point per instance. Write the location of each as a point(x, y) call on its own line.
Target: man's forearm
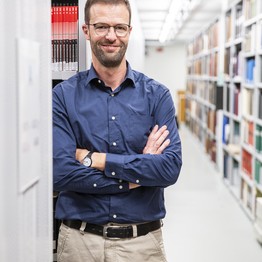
point(156, 144)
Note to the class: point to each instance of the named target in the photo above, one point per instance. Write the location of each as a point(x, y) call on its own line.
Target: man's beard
point(104, 59)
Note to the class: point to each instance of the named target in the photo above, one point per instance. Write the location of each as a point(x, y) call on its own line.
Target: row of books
point(64, 18)
point(203, 89)
point(250, 38)
point(233, 62)
point(205, 41)
point(247, 93)
point(239, 20)
point(237, 23)
point(250, 8)
point(206, 65)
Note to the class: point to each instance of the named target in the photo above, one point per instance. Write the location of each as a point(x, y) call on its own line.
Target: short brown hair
point(89, 3)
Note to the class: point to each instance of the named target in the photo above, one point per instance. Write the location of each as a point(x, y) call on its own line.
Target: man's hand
point(157, 141)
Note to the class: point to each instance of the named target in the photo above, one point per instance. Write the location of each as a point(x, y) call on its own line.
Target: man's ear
point(86, 31)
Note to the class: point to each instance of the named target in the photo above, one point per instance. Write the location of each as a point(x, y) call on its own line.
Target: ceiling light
point(178, 13)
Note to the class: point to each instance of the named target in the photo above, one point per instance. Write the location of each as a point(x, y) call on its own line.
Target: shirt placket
point(114, 146)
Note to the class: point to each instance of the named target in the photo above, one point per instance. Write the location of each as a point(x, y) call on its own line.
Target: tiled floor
point(204, 222)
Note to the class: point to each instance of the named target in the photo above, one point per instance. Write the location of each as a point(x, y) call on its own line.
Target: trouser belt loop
point(82, 228)
point(134, 230)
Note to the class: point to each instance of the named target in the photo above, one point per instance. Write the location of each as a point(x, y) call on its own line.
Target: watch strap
point(89, 154)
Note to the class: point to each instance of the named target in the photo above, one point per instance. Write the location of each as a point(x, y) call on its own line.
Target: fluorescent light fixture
point(179, 11)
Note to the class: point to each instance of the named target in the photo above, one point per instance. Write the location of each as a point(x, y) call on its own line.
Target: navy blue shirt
point(88, 114)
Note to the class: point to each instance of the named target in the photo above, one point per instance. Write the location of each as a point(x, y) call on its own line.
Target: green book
point(258, 171)
point(258, 137)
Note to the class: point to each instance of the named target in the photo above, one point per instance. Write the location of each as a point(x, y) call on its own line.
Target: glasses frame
point(108, 28)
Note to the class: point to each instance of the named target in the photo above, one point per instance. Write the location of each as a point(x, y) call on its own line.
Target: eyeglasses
point(102, 29)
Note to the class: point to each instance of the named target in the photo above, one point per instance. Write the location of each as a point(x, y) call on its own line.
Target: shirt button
point(113, 173)
point(99, 81)
point(113, 117)
point(114, 216)
point(120, 180)
point(95, 185)
point(112, 94)
point(114, 143)
point(137, 181)
point(120, 187)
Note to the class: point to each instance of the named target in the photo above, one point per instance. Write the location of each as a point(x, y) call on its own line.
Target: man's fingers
point(155, 135)
point(161, 139)
point(163, 146)
point(157, 142)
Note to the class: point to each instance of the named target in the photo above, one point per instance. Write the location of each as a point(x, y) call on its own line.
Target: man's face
point(108, 48)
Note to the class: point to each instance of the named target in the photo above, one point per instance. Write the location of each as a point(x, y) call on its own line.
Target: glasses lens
point(121, 30)
point(103, 29)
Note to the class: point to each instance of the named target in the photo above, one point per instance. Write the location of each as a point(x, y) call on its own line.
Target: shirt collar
point(92, 75)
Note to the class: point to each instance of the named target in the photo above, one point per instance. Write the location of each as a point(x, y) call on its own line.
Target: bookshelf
point(250, 122)
point(68, 43)
point(202, 97)
point(233, 68)
point(69, 56)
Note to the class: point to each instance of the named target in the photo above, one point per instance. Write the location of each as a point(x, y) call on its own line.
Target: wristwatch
point(87, 161)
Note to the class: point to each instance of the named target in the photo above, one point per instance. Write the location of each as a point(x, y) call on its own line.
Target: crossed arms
point(156, 144)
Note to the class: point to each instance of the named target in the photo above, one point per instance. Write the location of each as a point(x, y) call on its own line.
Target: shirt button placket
point(113, 128)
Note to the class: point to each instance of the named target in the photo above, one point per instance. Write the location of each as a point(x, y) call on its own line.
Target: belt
point(114, 231)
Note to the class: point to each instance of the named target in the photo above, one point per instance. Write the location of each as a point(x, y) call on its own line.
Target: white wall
point(136, 48)
point(167, 66)
point(25, 133)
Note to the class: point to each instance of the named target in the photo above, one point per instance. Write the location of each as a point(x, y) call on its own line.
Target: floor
point(204, 222)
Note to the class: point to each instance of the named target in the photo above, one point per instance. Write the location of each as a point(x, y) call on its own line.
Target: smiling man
point(116, 148)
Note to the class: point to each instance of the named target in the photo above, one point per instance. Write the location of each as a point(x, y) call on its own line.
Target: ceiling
point(153, 13)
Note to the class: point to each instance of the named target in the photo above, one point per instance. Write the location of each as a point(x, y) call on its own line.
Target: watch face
point(87, 161)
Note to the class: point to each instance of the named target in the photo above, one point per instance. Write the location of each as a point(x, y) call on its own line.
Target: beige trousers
point(74, 246)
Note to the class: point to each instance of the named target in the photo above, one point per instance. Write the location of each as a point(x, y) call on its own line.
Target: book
point(247, 163)
point(258, 138)
point(260, 104)
point(250, 66)
point(225, 130)
point(258, 172)
point(247, 101)
point(239, 20)
point(235, 174)
point(236, 99)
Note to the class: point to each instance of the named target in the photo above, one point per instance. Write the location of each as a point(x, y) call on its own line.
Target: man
point(116, 147)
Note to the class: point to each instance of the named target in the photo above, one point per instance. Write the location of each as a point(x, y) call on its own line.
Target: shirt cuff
point(114, 166)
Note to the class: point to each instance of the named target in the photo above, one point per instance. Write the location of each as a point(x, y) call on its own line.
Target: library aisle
point(204, 221)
